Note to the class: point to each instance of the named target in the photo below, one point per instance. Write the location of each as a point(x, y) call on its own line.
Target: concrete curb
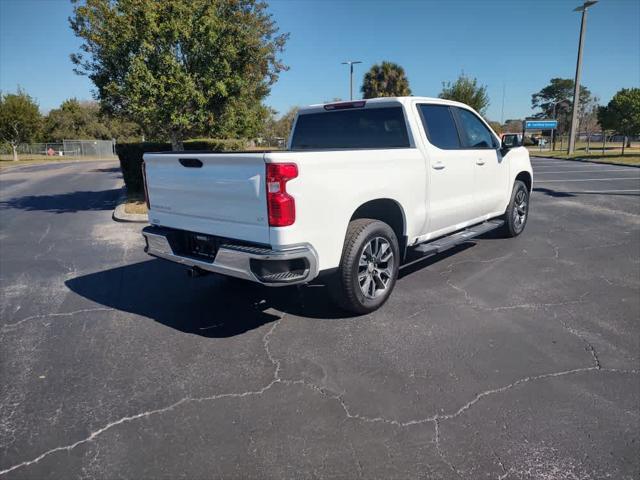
point(119, 215)
point(584, 160)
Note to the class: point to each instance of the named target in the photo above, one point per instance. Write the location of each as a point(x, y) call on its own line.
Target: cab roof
point(376, 102)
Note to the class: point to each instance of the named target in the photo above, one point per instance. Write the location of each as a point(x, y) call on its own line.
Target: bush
point(130, 156)
point(214, 145)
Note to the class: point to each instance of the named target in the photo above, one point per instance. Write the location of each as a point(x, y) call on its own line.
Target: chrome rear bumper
point(257, 264)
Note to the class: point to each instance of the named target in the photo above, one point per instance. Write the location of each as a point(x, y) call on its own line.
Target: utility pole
point(351, 63)
point(576, 86)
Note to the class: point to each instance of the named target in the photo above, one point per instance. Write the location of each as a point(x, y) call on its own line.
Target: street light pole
point(576, 86)
point(351, 63)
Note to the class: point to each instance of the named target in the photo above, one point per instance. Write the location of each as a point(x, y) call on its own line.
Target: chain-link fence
point(597, 142)
point(72, 149)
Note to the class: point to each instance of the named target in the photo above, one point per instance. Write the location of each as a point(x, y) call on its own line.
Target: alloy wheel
point(375, 267)
point(520, 209)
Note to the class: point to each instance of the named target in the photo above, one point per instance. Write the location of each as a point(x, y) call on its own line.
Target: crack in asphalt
point(589, 346)
point(7, 326)
point(504, 475)
point(436, 426)
point(468, 298)
point(470, 301)
point(357, 460)
point(266, 340)
point(436, 419)
point(44, 235)
point(131, 418)
point(451, 266)
point(556, 250)
point(505, 472)
point(533, 306)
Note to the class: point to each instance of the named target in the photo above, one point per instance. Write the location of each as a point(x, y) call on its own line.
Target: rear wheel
point(517, 214)
point(368, 268)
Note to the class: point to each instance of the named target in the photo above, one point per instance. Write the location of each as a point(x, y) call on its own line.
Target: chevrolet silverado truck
point(361, 185)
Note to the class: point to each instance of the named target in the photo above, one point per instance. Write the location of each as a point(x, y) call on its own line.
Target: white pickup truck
point(360, 184)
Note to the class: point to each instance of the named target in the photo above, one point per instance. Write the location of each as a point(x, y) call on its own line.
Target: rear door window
point(440, 126)
point(357, 128)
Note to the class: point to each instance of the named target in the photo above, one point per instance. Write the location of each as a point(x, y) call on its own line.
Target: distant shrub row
point(130, 155)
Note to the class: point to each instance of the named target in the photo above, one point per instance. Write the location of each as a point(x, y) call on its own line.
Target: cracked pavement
point(511, 359)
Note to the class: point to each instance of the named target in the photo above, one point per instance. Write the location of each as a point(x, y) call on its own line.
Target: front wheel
point(368, 267)
point(517, 214)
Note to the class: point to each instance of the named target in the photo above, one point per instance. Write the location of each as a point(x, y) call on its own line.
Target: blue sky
point(518, 44)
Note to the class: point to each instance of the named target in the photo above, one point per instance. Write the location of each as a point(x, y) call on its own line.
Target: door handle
point(190, 162)
point(438, 166)
point(479, 162)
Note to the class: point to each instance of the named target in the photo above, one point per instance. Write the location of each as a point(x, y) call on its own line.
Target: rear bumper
point(272, 267)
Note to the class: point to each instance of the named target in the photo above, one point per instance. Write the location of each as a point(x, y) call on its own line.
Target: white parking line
point(568, 164)
point(555, 165)
point(602, 191)
point(585, 171)
point(588, 179)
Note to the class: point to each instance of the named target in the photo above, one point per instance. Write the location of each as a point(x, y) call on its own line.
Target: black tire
point(516, 216)
point(346, 288)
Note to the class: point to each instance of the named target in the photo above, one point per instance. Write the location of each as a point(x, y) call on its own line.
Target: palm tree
point(385, 80)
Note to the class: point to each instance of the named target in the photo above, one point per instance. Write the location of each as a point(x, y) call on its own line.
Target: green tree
point(496, 126)
point(75, 120)
point(180, 67)
point(513, 126)
point(385, 80)
point(121, 129)
point(20, 119)
point(557, 99)
point(84, 120)
point(466, 90)
point(285, 122)
point(622, 113)
point(588, 121)
point(279, 127)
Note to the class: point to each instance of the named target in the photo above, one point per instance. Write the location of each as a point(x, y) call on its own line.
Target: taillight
point(280, 205)
point(144, 181)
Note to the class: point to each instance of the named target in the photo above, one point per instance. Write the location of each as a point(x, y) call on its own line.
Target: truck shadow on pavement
point(559, 194)
point(107, 170)
point(66, 202)
point(211, 306)
point(552, 193)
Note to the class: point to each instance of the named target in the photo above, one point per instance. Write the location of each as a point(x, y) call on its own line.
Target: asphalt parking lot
point(510, 359)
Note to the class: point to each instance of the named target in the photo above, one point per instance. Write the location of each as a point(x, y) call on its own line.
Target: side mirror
point(510, 141)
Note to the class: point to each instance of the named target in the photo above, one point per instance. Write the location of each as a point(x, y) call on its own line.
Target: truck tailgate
point(219, 194)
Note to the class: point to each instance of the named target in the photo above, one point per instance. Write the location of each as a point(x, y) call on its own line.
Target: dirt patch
point(136, 205)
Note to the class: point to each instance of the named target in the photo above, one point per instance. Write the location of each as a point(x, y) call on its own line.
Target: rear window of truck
point(362, 128)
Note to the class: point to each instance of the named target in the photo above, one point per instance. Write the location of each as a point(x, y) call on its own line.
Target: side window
point(473, 132)
point(440, 127)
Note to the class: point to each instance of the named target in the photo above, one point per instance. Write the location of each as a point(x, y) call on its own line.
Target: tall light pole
point(576, 86)
point(351, 63)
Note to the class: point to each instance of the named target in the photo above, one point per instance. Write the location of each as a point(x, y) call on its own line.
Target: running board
point(450, 241)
